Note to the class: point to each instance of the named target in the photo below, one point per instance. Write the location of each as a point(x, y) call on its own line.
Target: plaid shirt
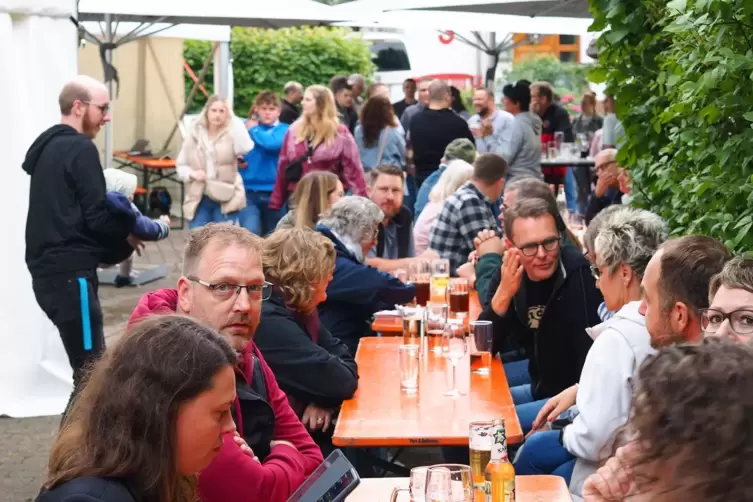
point(463, 216)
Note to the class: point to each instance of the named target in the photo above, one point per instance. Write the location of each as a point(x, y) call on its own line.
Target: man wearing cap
point(461, 148)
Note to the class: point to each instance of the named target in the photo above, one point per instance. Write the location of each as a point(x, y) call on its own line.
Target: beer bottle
point(499, 473)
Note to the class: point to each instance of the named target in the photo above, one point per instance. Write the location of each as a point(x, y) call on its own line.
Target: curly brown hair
point(693, 410)
point(296, 259)
point(376, 114)
point(123, 423)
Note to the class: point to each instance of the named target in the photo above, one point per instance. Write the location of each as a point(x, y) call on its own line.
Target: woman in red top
point(319, 143)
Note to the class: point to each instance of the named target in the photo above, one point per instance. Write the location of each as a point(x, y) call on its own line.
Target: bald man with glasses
point(607, 191)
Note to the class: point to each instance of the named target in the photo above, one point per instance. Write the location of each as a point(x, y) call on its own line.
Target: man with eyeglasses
point(69, 229)
point(607, 191)
point(544, 297)
point(223, 286)
point(730, 314)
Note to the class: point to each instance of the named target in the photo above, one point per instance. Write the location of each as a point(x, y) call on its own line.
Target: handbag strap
point(381, 149)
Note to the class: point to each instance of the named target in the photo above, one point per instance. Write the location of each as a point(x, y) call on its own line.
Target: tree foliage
point(681, 72)
point(267, 59)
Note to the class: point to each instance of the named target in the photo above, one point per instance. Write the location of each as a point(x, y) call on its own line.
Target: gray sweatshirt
point(521, 148)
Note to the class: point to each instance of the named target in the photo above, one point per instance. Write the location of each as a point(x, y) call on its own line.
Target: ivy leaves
point(682, 72)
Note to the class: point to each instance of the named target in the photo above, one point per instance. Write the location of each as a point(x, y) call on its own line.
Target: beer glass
point(408, 368)
point(458, 291)
point(481, 347)
point(436, 318)
point(413, 326)
point(417, 487)
point(440, 277)
point(480, 445)
point(420, 275)
point(449, 483)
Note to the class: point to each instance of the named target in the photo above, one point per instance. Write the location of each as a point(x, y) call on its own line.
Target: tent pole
point(108, 127)
point(493, 60)
point(189, 98)
point(222, 72)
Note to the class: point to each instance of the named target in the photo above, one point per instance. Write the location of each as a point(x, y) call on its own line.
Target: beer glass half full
point(480, 442)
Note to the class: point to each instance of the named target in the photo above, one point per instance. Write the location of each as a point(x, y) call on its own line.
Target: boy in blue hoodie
point(260, 171)
point(121, 187)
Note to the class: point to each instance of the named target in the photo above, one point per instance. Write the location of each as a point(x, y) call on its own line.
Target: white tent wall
point(38, 53)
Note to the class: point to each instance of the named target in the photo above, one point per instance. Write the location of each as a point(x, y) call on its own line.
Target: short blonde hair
point(457, 173)
point(224, 233)
point(296, 259)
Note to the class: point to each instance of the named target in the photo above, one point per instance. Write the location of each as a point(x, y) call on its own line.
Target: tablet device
point(332, 481)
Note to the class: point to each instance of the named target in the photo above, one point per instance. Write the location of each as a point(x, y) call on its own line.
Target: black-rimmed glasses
point(530, 249)
point(741, 321)
point(225, 291)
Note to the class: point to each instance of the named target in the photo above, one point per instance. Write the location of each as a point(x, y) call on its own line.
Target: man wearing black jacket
point(545, 297)
point(69, 230)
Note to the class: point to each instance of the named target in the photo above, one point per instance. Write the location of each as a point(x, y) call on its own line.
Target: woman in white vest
point(208, 165)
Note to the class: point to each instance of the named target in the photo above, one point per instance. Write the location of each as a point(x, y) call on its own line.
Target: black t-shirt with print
point(538, 294)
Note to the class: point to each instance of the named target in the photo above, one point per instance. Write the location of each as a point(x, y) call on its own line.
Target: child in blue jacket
point(260, 171)
point(121, 187)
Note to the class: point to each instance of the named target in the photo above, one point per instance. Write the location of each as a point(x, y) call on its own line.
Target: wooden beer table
point(527, 489)
point(393, 324)
point(380, 414)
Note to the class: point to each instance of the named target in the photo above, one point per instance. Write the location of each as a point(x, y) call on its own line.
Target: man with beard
point(223, 286)
point(69, 230)
point(490, 126)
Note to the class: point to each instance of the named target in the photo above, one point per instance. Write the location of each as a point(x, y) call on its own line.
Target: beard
point(89, 127)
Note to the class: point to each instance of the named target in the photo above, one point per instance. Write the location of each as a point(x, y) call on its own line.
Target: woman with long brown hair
point(379, 136)
point(317, 142)
point(151, 415)
point(313, 195)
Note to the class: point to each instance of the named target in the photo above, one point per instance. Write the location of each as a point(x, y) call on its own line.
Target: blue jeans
point(571, 191)
point(209, 211)
point(527, 412)
point(256, 217)
point(543, 454)
point(517, 373)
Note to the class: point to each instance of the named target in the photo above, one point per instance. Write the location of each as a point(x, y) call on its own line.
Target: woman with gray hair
point(357, 291)
point(625, 240)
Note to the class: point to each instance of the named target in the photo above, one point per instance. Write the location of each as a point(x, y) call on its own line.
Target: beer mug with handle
point(417, 487)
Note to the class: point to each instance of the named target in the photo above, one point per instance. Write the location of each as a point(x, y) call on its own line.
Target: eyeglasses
point(549, 245)
point(225, 291)
point(103, 108)
point(741, 321)
point(595, 272)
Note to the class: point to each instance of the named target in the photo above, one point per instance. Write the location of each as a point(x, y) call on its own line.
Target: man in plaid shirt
point(469, 210)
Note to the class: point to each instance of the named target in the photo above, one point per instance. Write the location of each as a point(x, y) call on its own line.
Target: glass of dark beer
point(420, 276)
point(457, 292)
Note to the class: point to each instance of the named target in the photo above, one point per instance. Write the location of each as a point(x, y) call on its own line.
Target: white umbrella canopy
point(530, 8)
point(218, 12)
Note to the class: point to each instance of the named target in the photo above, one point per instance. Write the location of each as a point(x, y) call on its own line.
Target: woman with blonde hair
point(208, 165)
point(457, 173)
point(317, 142)
point(152, 414)
point(313, 195)
point(314, 369)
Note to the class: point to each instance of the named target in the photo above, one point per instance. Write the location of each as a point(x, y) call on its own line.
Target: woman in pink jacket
point(317, 142)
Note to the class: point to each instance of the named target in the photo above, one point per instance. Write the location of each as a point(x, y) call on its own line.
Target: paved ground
point(25, 443)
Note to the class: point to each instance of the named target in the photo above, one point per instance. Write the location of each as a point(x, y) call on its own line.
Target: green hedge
point(267, 59)
point(682, 74)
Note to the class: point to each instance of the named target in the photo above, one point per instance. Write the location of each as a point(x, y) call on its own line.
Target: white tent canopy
point(530, 8)
point(38, 51)
point(223, 12)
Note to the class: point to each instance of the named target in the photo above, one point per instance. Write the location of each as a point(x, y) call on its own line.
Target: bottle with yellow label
point(499, 473)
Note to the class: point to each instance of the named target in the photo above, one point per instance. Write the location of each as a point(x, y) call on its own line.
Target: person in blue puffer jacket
point(260, 171)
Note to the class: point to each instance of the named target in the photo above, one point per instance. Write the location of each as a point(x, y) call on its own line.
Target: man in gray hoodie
point(522, 147)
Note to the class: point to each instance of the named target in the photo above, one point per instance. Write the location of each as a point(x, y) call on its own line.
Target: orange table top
point(381, 414)
point(393, 323)
point(149, 162)
point(527, 489)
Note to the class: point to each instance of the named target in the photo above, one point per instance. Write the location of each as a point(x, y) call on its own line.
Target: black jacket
point(289, 112)
point(430, 133)
point(557, 350)
point(69, 226)
point(90, 489)
point(321, 372)
point(404, 222)
point(556, 119)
